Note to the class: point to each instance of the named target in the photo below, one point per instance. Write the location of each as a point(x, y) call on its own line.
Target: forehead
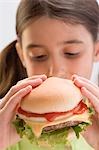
point(47, 29)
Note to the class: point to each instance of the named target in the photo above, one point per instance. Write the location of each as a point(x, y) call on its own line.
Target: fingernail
point(75, 79)
point(29, 87)
point(37, 80)
point(44, 77)
point(83, 88)
point(74, 76)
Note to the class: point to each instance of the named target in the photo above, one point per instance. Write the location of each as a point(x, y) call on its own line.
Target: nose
point(57, 69)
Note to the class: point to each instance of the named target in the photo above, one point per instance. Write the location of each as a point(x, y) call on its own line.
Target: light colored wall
point(7, 21)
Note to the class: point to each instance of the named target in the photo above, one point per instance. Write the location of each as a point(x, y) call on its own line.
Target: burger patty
point(60, 126)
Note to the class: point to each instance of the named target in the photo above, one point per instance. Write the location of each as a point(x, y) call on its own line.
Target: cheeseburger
point(49, 111)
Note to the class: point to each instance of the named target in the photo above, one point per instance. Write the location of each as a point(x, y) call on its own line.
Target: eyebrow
point(72, 42)
point(30, 46)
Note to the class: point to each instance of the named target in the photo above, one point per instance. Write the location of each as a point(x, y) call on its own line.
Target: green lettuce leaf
point(79, 128)
point(50, 138)
point(82, 126)
point(89, 105)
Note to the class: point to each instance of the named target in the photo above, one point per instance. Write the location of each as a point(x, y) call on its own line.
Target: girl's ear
point(20, 52)
point(96, 53)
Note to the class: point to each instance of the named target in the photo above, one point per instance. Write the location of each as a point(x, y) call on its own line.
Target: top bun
point(53, 95)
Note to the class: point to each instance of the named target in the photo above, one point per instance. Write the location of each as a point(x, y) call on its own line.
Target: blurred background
point(7, 21)
point(7, 28)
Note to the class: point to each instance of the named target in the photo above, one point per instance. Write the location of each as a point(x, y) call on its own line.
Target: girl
point(55, 38)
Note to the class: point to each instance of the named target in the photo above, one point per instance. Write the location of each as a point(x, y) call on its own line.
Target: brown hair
point(11, 69)
point(85, 12)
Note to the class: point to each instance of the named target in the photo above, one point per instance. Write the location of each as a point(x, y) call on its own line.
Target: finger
point(81, 83)
point(92, 98)
point(83, 79)
point(11, 105)
point(43, 77)
point(34, 83)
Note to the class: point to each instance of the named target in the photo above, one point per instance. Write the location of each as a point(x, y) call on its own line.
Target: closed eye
point(71, 55)
point(40, 58)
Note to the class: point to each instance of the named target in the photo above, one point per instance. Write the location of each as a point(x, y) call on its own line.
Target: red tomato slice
point(79, 109)
point(52, 116)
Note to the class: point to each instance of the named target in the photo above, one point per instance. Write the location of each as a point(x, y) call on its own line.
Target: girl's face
point(55, 48)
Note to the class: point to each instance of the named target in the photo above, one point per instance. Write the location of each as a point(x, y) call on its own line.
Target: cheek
point(84, 66)
point(85, 69)
point(35, 69)
point(29, 69)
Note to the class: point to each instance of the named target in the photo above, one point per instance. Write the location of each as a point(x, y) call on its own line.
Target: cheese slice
point(37, 127)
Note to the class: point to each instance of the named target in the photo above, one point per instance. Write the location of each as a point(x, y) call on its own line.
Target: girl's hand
point(8, 105)
point(89, 90)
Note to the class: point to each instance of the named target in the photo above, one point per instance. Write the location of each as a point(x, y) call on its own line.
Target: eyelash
point(71, 55)
point(40, 58)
